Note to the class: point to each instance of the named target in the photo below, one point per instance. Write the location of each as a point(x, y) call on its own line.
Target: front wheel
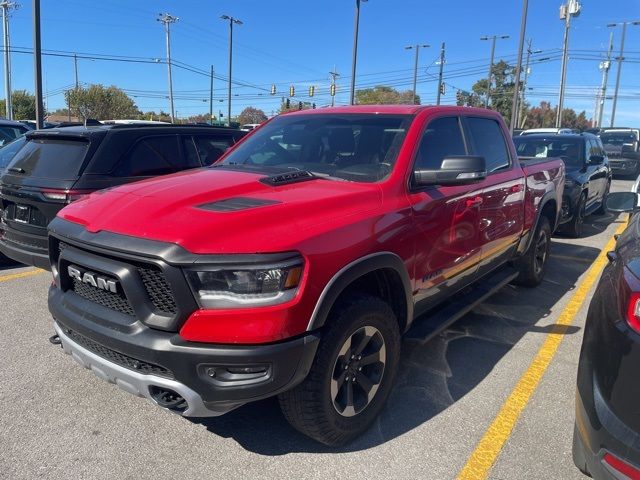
point(532, 265)
point(352, 374)
point(602, 209)
point(574, 227)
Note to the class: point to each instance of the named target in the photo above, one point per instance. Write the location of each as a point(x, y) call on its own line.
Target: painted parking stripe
point(15, 276)
point(488, 449)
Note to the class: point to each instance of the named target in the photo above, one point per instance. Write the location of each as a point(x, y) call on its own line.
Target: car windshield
point(8, 151)
point(568, 149)
point(617, 138)
point(353, 147)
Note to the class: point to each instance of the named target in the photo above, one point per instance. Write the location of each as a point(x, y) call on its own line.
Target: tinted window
point(617, 138)
point(489, 142)
point(51, 158)
point(355, 147)
point(441, 139)
point(190, 151)
point(8, 133)
point(9, 150)
point(153, 156)
point(568, 149)
point(211, 149)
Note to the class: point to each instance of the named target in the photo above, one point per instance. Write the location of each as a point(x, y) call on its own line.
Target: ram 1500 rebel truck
point(293, 265)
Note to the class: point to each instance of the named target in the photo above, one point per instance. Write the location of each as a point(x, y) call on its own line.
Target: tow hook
point(55, 340)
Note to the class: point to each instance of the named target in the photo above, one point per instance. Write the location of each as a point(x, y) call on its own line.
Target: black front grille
point(158, 289)
point(115, 301)
point(116, 357)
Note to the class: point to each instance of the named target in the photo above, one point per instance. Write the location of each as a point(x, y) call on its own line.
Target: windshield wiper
point(17, 170)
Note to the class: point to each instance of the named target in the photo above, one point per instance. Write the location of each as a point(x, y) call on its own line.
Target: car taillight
point(633, 311)
point(619, 466)
point(64, 196)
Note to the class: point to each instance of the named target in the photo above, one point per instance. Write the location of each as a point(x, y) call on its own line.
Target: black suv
point(57, 166)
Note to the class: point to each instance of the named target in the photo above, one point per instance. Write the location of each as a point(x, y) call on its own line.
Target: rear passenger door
point(598, 177)
point(501, 214)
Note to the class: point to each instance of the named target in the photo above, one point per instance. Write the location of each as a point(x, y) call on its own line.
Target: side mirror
point(619, 202)
point(596, 159)
point(454, 170)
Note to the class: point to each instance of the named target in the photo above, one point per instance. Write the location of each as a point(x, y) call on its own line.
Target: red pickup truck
point(293, 266)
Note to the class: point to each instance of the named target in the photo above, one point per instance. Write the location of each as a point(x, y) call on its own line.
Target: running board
point(430, 324)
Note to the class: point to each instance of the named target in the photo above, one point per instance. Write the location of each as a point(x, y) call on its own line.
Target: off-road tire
point(532, 265)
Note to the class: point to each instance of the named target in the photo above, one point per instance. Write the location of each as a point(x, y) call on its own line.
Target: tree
point(382, 95)
point(294, 106)
point(158, 117)
point(24, 105)
point(251, 115)
point(101, 103)
point(501, 93)
point(545, 116)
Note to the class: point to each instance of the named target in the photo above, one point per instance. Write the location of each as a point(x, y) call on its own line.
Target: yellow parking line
point(484, 456)
point(15, 276)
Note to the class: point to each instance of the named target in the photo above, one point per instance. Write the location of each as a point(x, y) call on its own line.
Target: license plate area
point(22, 214)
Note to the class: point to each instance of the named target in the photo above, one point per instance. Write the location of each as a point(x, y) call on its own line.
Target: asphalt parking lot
point(60, 421)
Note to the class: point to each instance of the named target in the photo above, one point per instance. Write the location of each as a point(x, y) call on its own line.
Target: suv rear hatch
point(38, 183)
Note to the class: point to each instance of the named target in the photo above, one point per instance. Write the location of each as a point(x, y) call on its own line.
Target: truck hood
point(223, 211)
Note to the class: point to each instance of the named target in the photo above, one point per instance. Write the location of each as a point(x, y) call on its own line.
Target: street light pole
point(6, 7)
point(440, 74)
point(37, 64)
point(211, 99)
point(570, 9)
point(232, 21)
point(167, 19)
point(75, 66)
point(417, 48)
point(620, 60)
point(493, 39)
point(354, 61)
point(516, 87)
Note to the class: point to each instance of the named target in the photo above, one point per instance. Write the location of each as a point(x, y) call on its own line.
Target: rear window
point(51, 158)
point(568, 149)
point(8, 151)
point(9, 133)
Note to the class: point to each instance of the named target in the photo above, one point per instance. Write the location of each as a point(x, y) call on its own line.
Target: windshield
point(568, 149)
point(9, 150)
point(617, 138)
point(49, 158)
point(361, 148)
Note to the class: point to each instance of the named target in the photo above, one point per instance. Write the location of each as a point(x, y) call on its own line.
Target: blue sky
point(298, 42)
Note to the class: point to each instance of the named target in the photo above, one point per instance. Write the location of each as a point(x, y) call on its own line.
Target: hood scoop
point(287, 178)
point(236, 204)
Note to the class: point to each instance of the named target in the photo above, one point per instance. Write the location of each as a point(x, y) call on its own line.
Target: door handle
point(472, 202)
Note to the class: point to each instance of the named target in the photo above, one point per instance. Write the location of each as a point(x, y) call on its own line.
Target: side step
point(430, 324)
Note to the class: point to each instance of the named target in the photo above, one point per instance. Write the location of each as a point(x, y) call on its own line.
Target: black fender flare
point(351, 272)
point(526, 240)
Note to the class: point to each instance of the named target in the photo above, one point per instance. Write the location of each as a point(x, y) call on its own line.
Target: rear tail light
point(64, 196)
point(633, 311)
point(617, 466)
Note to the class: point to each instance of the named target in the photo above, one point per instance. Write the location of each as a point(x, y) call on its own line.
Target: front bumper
point(625, 166)
point(212, 379)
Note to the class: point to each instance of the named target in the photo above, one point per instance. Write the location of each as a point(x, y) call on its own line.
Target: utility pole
point(417, 48)
point(493, 39)
point(75, 66)
point(6, 7)
point(232, 21)
point(516, 87)
point(570, 9)
point(167, 19)
point(440, 84)
point(354, 61)
point(620, 60)
point(334, 74)
point(211, 99)
point(524, 84)
point(37, 64)
point(602, 97)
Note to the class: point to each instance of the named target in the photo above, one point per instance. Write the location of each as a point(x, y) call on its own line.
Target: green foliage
point(293, 107)
point(545, 116)
point(251, 115)
point(101, 103)
point(382, 95)
point(24, 105)
point(501, 93)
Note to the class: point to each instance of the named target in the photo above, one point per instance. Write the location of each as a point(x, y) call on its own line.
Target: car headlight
point(245, 286)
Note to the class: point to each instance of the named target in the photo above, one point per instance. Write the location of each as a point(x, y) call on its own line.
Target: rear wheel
point(352, 374)
point(532, 265)
point(574, 227)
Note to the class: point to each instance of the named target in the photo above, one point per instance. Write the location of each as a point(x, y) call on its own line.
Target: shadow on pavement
point(593, 225)
point(433, 375)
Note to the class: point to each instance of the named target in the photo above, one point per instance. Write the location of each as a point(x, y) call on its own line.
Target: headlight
point(246, 286)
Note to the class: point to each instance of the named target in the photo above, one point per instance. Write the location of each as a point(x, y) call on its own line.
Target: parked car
point(607, 424)
point(7, 153)
point(588, 175)
point(10, 130)
point(623, 148)
point(294, 264)
point(247, 127)
point(60, 165)
point(558, 131)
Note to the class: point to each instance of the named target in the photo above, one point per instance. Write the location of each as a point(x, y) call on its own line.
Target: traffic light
point(313, 106)
point(332, 90)
point(273, 89)
point(299, 105)
point(288, 103)
point(459, 97)
point(292, 91)
point(312, 90)
point(442, 88)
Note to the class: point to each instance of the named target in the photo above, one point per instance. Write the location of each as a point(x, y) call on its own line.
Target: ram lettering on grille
point(93, 280)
